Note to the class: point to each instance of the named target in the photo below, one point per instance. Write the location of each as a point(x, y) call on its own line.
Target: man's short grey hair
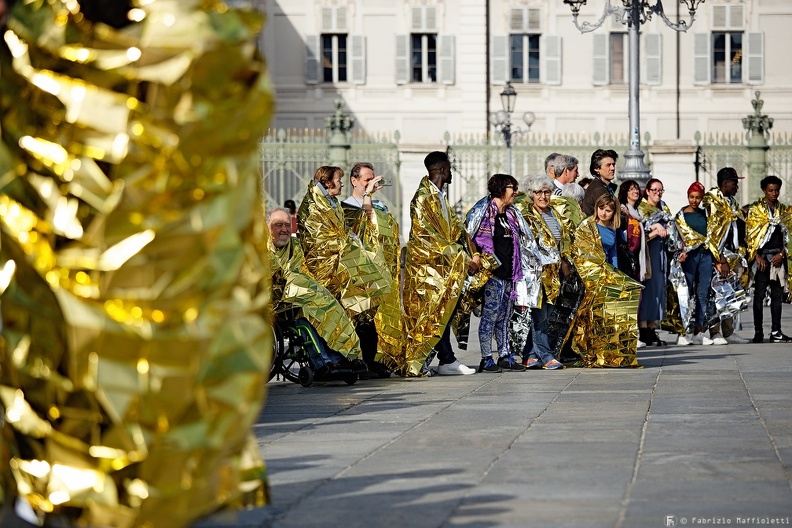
point(563, 162)
point(539, 183)
point(274, 209)
point(574, 191)
point(550, 160)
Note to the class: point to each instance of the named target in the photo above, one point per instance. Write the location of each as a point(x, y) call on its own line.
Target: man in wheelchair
point(305, 308)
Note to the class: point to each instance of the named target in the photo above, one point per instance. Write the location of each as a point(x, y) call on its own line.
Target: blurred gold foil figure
point(135, 296)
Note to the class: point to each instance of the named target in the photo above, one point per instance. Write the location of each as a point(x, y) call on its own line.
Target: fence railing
point(475, 158)
point(289, 159)
point(731, 150)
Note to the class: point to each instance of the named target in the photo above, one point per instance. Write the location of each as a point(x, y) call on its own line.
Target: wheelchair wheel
point(293, 358)
point(277, 350)
point(305, 376)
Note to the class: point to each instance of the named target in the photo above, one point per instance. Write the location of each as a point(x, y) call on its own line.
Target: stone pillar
point(339, 124)
point(758, 126)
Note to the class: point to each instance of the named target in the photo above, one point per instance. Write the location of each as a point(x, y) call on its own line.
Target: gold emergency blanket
point(135, 291)
point(434, 271)
point(336, 258)
point(721, 212)
point(380, 235)
point(757, 230)
point(567, 211)
point(606, 331)
point(293, 288)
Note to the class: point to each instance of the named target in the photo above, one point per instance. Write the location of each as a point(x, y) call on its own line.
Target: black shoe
point(507, 363)
point(359, 367)
point(779, 337)
point(758, 337)
point(569, 359)
point(379, 370)
point(654, 339)
point(488, 365)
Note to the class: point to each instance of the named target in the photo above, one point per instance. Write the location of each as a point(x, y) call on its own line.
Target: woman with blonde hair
point(606, 334)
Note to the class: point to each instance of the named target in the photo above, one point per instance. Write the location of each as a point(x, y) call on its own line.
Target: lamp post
point(758, 127)
point(501, 120)
point(339, 124)
point(634, 13)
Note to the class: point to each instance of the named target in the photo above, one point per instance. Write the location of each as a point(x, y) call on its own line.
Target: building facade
point(427, 67)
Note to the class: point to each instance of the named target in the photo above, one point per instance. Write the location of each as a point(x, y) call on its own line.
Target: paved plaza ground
point(700, 435)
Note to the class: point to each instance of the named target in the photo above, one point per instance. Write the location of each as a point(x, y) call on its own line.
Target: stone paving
point(700, 435)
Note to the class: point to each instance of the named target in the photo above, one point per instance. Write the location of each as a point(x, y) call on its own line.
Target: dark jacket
point(594, 190)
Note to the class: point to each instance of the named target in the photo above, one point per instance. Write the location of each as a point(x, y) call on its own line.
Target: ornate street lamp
point(501, 120)
point(634, 13)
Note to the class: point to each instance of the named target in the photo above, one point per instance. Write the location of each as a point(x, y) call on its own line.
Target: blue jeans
point(541, 348)
point(698, 272)
point(495, 317)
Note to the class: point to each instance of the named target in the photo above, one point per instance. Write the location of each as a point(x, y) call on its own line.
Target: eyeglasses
point(546, 193)
point(512, 187)
point(658, 191)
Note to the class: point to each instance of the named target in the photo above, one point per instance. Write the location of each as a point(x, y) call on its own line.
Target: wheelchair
point(301, 356)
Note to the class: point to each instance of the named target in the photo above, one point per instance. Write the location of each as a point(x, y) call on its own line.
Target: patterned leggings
point(495, 316)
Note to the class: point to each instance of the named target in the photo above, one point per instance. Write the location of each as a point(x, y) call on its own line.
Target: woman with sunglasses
point(502, 236)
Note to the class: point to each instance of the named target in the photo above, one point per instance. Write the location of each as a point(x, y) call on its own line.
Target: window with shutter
point(499, 52)
point(312, 62)
point(525, 20)
point(334, 58)
point(524, 58)
point(551, 60)
point(601, 66)
point(701, 58)
point(428, 56)
point(652, 60)
point(446, 62)
point(755, 58)
point(423, 19)
point(617, 58)
point(727, 57)
point(524, 54)
point(728, 17)
point(358, 59)
point(334, 19)
point(402, 59)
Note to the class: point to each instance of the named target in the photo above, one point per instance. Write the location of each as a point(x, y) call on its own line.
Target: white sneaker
point(455, 369)
point(734, 339)
point(641, 344)
point(700, 339)
point(682, 340)
point(717, 339)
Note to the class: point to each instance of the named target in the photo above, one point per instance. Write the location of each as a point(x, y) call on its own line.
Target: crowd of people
point(562, 273)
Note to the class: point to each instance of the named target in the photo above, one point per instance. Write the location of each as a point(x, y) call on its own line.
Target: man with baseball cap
point(723, 212)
